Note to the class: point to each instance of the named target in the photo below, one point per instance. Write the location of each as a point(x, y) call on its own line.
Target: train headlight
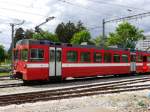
point(25, 66)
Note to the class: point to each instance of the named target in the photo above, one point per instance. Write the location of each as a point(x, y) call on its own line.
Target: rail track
point(76, 91)
point(11, 85)
point(4, 84)
point(4, 78)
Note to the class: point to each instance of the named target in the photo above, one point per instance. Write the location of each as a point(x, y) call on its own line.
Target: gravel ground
point(7, 80)
point(23, 89)
point(122, 102)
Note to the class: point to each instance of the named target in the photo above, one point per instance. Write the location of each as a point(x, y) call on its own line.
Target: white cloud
point(88, 11)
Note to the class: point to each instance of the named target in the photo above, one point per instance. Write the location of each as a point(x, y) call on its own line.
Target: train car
point(44, 60)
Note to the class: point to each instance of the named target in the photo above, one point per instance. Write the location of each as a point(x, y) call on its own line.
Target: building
point(143, 44)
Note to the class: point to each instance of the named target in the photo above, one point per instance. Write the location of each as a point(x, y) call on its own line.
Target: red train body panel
point(43, 60)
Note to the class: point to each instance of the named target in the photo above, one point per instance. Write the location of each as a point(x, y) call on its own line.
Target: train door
point(55, 64)
point(133, 62)
point(58, 61)
point(145, 67)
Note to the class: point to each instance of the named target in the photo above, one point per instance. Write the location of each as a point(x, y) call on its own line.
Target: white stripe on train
point(39, 65)
point(94, 64)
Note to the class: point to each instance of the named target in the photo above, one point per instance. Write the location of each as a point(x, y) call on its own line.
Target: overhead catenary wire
point(135, 16)
point(86, 8)
point(19, 11)
point(17, 4)
point(72, 4)
point(118, 5)
point(95, 27)
point(101, 2)
point(7, 18)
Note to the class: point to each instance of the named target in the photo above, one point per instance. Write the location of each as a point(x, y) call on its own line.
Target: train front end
point(30, 62)
point(20, 59)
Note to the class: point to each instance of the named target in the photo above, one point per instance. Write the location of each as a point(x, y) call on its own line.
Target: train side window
point(133, 58)
point(85, 57)
point(37, 55)
point(24, 54)
point(139, 58)
point(125, 58)
point(72, 56)
point(58, 56)
point(116, 57)
point(107, 57)
point(97, 57)
point(148, 58)
point(52, 55)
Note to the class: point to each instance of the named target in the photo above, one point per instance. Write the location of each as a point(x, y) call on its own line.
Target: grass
point(5, 65)
point(141, 104)
point(4, 74)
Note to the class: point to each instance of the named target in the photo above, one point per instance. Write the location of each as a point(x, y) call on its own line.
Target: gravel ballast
point(122, 102)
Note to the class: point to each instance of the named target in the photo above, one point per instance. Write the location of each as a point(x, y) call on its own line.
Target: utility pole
point(12, 44)
point(103, 25)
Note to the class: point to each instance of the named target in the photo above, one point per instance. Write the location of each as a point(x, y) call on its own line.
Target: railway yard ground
point(105, 101)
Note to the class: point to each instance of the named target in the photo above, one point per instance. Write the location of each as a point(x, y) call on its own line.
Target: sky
point(90, 12)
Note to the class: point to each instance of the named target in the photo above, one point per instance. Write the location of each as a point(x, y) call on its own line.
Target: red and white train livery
point(43, 60)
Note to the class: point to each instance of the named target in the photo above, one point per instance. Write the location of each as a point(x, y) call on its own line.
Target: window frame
point(114, 58)
point(94, 57)
point(76, 60)
point(58, 55)
point(52, 55)
point(127, 58)
point(21, 56)
point(141, 56)
point(148, 58)
point(90, 60)
point(37, 55)
point(107, 52)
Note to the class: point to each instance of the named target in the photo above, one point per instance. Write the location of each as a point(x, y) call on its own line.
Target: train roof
point(32, 41)
point(50, 43)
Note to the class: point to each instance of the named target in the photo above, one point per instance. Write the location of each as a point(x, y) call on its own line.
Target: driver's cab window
point(24, 55)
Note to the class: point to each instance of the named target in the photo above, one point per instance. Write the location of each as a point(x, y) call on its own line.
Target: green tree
point(80, 37)
point(2, 54)
point(19, 34)
point(97, 41)
point(80, 26)
point(45, 35)
point(125, 36)
point(28, 34)
point(66, 31)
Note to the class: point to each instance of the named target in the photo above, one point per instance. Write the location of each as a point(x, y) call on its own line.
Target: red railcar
point(43, 60)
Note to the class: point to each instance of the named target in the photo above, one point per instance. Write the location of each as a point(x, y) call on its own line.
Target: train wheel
point(26, 82)
point(55, 79)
